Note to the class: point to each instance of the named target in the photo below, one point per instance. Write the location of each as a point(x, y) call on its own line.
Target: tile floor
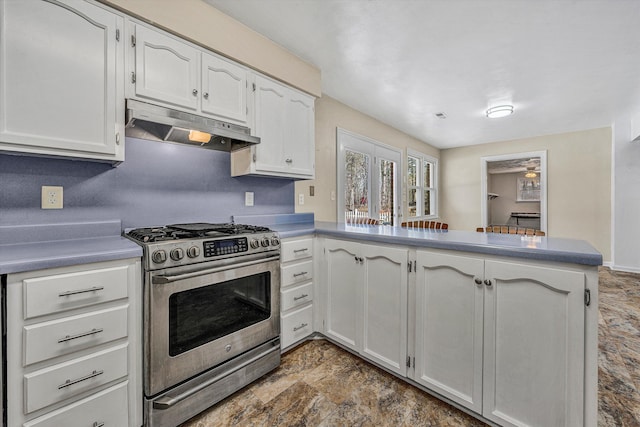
point(319, 384)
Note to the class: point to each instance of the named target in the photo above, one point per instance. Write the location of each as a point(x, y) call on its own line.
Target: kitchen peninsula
point(499, 325)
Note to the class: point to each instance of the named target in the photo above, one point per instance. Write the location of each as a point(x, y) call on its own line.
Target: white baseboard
point(623, 268)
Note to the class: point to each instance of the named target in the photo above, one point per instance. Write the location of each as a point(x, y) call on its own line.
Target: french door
point(368, 179)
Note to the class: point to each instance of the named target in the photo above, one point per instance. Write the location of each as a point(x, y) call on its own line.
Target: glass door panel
point(386, 193)
point(356, 185)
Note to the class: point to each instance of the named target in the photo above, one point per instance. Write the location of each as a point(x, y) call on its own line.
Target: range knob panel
point(254, 243)
point(159, 256)
point(264, 242)
point(275, 241)
point(177, 254)
point(193, 252)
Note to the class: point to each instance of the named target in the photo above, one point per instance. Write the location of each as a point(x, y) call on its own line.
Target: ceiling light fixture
point(499, 111)
point(530, 173)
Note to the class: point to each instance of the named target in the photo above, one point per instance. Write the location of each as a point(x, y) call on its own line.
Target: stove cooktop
point(192, 231)
point(184, 244)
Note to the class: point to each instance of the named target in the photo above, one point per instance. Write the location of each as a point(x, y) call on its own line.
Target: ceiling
point(514, 165)
point(565, 65)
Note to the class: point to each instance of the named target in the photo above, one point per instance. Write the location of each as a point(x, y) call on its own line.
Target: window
point(367, 179)
point(422, 189)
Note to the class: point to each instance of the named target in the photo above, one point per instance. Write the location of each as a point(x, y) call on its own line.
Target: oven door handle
point(167, 401)
point(174, 278)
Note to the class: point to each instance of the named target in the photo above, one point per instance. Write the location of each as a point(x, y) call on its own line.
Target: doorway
point(514, 190)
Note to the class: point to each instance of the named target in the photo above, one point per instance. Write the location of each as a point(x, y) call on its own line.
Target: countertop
point(29, 248)
point(529, 247)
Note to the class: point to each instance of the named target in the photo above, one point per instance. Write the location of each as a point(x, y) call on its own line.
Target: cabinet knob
point(487, 282)
point(206, 95)
point(195, 92)
point(477, 280)
point(289, 161)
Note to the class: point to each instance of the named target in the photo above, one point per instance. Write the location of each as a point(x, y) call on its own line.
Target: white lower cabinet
point(296, 292)
point(74, 356)
point(504, 339)
point(366, 300)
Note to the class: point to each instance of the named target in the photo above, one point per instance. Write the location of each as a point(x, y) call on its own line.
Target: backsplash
point(157, 184)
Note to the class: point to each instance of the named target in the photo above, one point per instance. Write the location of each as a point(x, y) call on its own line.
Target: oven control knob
point(177, 254)
point(264, 242)
point(159, 256)
point(254, 243)
point(193, 251)
point(275, 241)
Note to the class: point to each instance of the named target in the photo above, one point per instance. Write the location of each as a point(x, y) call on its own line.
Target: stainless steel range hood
point(148, 121)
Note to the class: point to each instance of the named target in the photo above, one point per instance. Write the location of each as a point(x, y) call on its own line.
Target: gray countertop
point(529, 247)
point(62, 245)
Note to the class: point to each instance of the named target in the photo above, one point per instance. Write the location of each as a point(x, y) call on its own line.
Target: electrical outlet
point(248, 198)
point(301, 199)
point(52, 197)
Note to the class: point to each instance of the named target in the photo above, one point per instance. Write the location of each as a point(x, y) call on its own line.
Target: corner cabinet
point(284, 121)
point(61, 80)
point(73, 337)
point(504, 339)
point(168, 71)
point(366, 300)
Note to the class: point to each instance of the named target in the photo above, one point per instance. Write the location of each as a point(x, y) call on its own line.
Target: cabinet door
point(534, 345)
point(166, 70)
point(449, 316)
point(344, 282)
point(384, 314)
point(224, 89)
point(299, 148)
point(270, 104)
point(60, 79)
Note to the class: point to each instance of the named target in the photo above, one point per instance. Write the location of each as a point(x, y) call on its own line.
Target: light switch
point(301, 199)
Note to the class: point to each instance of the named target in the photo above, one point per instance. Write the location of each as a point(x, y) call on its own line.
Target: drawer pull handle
point(98, 424)
point(300, 297)
point(81, 291)
point(302, 273)
point(300, 250)
point(302, 325)
point(67, 383)
point(84, 334)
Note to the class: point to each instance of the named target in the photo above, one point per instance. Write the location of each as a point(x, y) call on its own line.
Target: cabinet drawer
point(296, 325)
point(59, 382)
point(50, 339)
point(296, 273)
point(51, 294)
point(297, 249)
point(295, 296)
point(108, 407)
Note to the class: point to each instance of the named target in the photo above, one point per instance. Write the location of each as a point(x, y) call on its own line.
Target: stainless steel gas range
point(211, 314)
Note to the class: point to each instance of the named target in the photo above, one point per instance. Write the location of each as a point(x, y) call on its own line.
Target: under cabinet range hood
point(152, 122)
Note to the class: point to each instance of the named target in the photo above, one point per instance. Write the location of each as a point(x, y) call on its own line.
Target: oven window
point(201, 315)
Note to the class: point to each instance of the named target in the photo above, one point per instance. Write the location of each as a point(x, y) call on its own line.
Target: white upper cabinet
point(61, 79)
point(284, 121)
point(166, 69)
point(224, 88)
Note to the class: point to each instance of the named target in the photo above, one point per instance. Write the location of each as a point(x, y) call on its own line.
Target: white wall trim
point(622, 268)
point(543, 183)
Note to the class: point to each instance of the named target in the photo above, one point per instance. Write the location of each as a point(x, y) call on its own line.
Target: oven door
point(196, 320)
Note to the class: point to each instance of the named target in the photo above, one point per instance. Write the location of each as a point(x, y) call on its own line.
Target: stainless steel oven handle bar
point(166, 402)
point(173, 278)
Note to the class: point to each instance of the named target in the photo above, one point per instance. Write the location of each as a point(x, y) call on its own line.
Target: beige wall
point(331, 114)
point(579, 184)
point(202, 24)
